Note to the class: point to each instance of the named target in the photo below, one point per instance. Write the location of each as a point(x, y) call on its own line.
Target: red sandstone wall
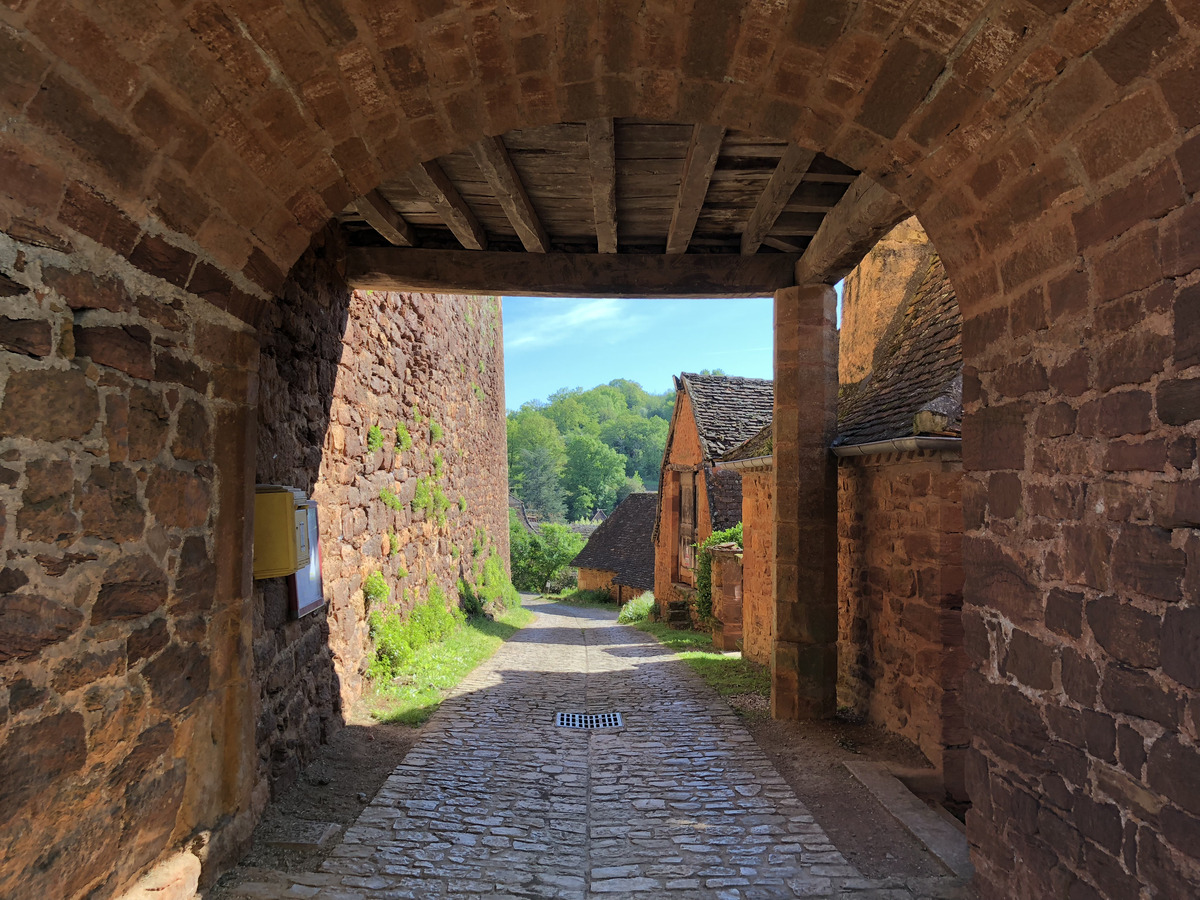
point(900, 648)
point(598, 580)
point(125, 440)
point(758, 533)
point(334, 363)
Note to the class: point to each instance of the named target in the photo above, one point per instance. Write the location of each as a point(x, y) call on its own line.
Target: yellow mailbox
point(281, 544)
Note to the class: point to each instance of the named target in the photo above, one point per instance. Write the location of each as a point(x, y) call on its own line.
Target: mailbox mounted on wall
point(281, 542)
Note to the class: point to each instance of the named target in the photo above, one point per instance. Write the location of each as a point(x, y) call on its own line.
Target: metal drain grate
point(588, 720)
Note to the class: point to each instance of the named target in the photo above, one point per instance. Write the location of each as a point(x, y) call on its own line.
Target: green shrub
point(482, 367)
point(492, 592)
point(397, 639)
point(480, 394)
point(704, 568)
point(478, 542)
point(390, 499)
point(455, 553)
point(439, 464)
point(375, 589)
point(374, 438)
point(403, 438)
point(462, 503)
point(435, 431)
point(637, 610)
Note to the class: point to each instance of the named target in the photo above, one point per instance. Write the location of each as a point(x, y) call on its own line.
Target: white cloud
point(544, 323)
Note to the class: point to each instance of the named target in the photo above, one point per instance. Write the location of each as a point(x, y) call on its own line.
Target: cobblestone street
point(495, 801)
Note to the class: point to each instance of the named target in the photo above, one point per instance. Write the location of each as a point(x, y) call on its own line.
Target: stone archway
point(163, 168)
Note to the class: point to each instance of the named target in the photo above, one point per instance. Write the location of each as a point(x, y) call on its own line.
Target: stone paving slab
point(495, 801)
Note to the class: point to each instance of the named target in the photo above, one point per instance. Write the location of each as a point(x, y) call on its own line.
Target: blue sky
point(550, 343)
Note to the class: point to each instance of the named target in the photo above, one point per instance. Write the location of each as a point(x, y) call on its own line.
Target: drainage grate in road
point(588, 720)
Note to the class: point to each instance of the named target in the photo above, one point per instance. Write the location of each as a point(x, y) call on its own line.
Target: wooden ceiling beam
point(602, 153)
point(570, 274)
point(439, 192)
point(784, 181)
point(381, 216)
point(698, 168)
point(865, 214)
point(494, 161)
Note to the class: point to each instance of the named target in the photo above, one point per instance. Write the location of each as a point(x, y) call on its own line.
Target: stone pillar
point(804, 656)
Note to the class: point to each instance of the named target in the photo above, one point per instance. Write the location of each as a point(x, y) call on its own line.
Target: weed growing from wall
point(403, 438)
point(439, 467)
point(462, 503)
point(480, 395)
point(375, 589)
point(374, 438)
point(390, 499)
point(423, 495)
point(435, 431)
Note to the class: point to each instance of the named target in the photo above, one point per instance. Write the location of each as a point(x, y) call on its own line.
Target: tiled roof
point(724, 497)
point(916, 369)
point(623, 543)
point(758, 446)
point(728, 409)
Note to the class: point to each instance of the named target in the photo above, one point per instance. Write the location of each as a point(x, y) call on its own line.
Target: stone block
point(48, 405)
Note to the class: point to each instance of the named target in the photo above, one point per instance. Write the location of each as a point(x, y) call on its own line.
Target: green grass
point(414, 696)
point(728, 675)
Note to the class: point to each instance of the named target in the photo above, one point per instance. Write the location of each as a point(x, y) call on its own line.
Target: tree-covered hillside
point(585, 449)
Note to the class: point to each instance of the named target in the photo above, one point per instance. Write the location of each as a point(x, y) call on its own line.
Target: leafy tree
point(537, 558)
point(604, 403)
point(541, 485)
point(593, 474)
point(571, 416)
point(640, 441)
point(529, 429)
point(633, 485)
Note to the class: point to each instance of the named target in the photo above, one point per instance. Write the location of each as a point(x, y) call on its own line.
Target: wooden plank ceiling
point(640, 190)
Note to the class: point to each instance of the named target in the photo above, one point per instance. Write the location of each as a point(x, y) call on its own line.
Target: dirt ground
point(336, 788)
point(810, 757)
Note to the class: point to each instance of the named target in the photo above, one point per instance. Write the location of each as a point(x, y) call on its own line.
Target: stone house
point(900, 643)
point(712, 415)
point(619, 556)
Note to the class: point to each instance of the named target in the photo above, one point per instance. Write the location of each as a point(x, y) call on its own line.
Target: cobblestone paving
point(495, 801)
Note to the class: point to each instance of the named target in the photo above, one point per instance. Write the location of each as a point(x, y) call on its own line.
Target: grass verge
point(728, 675)
point(586, 599)
point(412, 697)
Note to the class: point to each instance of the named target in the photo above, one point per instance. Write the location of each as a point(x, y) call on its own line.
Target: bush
point(397, 639)
point(637, 610)
point(435, 431)
point(390, 499)
point(704, 568)
point(539, 558)
point(492, 593)
point(374, 438)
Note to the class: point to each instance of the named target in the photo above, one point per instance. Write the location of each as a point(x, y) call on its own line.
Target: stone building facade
point(901, 654)
point(339, 363)
point(164, 166)
point(712, 414)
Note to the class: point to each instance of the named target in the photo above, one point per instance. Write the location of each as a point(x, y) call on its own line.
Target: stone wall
point(334, 364)
point(598, 580)
point(893, 269)
point(125, 727)
point(758, 608)
point(900, 646)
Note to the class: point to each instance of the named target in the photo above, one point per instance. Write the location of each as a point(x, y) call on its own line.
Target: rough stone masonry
point(163, 166)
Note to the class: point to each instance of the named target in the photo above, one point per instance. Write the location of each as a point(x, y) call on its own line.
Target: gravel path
point(495, 801)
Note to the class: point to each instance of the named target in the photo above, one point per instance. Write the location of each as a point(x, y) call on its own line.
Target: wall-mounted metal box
point(281, 531)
